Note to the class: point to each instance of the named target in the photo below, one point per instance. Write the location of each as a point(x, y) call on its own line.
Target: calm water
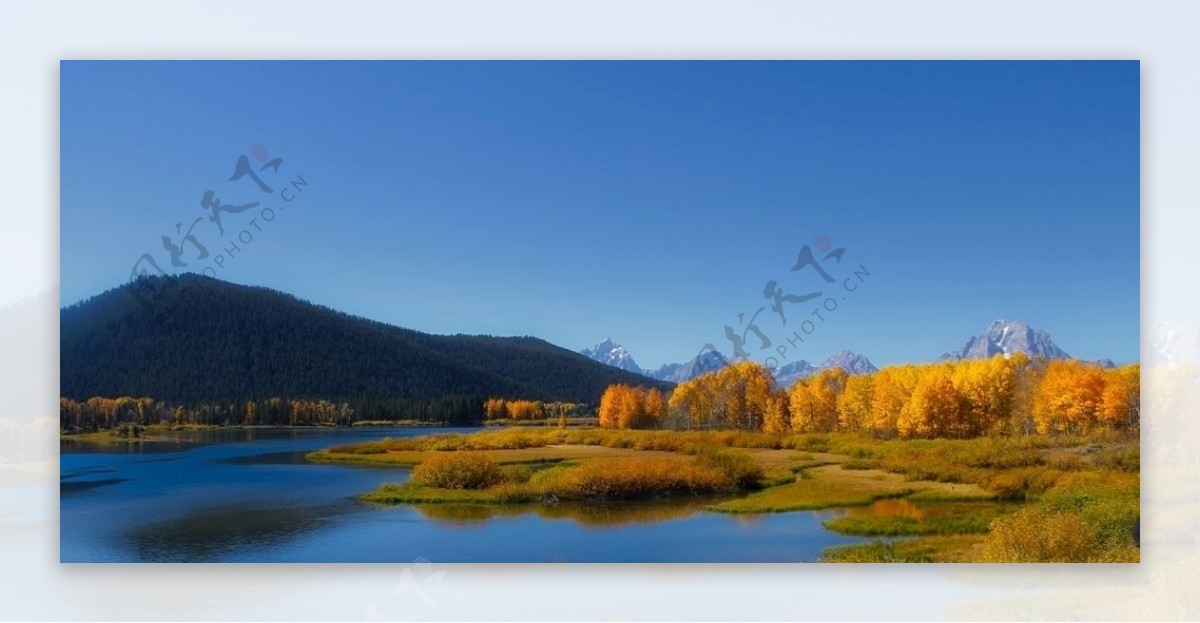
point(249, 496)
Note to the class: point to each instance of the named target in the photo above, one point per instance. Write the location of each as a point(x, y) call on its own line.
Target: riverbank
point(150, 433)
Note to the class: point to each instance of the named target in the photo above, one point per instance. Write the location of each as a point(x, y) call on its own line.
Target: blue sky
point(649, 202)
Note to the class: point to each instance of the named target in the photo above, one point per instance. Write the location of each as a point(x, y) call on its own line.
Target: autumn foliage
point(964, 399)
point(623, 406)
point(521, 410)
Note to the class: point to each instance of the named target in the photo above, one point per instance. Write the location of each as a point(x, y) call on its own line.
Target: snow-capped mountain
point(707, 361)
point(612, 354)
point(711, 360)
point(851, 362)
point(787, 375)
point(1006, 337)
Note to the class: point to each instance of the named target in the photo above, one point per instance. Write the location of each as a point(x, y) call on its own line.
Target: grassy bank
point(131, 434)
point(996, 499)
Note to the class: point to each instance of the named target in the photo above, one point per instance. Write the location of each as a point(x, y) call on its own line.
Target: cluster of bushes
point(633, 478)
point(1010, 467)
point(626, 478)
point(458, 470)
point(1085, 517)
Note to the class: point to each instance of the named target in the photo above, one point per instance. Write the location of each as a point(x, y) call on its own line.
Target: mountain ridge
point(203, 339)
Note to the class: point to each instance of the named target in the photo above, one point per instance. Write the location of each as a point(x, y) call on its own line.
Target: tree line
point(970, 398)
point(100, 412)
point(518, 410)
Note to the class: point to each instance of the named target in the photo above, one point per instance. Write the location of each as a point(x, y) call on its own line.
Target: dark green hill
point(204, 340)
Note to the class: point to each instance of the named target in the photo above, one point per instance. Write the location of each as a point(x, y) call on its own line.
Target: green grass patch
point(904, 518)
point(928, 549)
point(1085, 517)
point(824, 487)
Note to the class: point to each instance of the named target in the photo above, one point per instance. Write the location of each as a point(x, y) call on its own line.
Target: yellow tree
point(935, 407)
point(656, 408)
point(631, 409)
point(854, 404)
point(609, 409)
point(1121, 397)
point(1069, 397)
point(776, 419)
point(826, 386)
point(745, 387)
point(1027, 379)
point(806, 411)
point(493, 409)
point(890, 397)
point(680, 405)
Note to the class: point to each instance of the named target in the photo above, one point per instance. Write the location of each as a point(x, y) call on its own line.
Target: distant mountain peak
point(848, 360)
point(707, 360)
point(1005, 337)
point(612, 354)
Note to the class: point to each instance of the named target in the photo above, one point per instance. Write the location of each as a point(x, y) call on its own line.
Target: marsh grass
point(959, 548)
point(476, 479)
point(1085, 517)
point(919, 520)
point(817, 488)
point(1076, 497)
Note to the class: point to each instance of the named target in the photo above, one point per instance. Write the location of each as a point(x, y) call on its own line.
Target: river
point(248, 495)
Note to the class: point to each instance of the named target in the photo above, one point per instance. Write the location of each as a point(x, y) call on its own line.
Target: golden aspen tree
point(1120, 399)
point(934, 408)
point(609, 406)
point(630, 408)
point(826, 386)
point(854, 404)
point(800, 404)
point(656, 408)
point(891, 396)
point(1069, 397)
point(776, 418)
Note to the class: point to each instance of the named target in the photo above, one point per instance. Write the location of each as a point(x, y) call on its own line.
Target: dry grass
point(1081, 493)
point(824, 487)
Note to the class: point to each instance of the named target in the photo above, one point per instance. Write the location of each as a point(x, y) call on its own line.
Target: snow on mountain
point(703, 363)
point(787, 375)
point(609, 353)
point(851, 362)
point(1005, 337)
point(711, 360)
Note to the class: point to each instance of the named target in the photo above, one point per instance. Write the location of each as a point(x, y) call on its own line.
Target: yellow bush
point(631, 478)
point(458, 470)
point(1035, 535)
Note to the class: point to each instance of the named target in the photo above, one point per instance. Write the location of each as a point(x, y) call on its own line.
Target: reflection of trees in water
point(592, 515)
point(220, 532)
point(66, 488)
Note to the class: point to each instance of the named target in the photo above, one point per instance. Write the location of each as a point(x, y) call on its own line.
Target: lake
point(248, 495)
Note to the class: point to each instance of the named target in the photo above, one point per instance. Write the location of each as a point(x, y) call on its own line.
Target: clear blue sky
point(649, 202)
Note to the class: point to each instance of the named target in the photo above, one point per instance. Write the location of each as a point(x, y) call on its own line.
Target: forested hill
point(205, 340)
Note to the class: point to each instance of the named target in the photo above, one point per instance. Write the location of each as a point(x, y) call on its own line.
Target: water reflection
point(216, 533)
point(891, 507)
point(67, 488)
point(591, 515)
point(250, 495)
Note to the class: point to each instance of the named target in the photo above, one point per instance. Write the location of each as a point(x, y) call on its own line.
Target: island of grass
point(1011, 499)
